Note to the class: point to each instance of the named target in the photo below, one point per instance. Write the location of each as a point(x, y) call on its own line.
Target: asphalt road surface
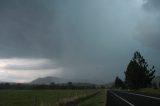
point(123, 98)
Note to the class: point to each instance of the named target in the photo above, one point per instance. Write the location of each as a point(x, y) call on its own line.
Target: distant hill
point(47, 80)
point(50, 79)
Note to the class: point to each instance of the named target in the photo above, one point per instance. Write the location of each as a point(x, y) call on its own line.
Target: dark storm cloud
point(45, 29)
point(26, 29)
point(152, 5)
point(86, 38)
point(61, 30)
point(149, 27)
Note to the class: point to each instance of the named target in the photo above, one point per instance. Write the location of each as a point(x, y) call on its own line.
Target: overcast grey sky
point(87, 39)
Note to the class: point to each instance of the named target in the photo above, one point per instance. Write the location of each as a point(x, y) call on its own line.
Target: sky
point(82, 39)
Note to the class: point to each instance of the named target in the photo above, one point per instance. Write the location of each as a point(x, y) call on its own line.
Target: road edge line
point(122, 99)
point(142, 95)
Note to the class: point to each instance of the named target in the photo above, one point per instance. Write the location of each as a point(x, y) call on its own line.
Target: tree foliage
point(138, 73)
point(118, 83)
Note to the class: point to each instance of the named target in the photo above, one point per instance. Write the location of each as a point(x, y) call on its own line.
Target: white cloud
point(23, 70)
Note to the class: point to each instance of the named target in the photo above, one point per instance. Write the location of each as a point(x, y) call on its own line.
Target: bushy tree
point(138, 74)
point(118, 83)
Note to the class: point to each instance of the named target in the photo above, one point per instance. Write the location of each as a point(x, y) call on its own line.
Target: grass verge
point(96, 100)
point(77, 99)
point(150, 90)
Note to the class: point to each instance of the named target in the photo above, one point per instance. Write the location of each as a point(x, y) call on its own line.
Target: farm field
point(97, 100)
point(39, 97)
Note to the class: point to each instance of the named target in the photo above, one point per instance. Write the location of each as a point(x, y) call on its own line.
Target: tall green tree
point(138, 73)
point(118, 83)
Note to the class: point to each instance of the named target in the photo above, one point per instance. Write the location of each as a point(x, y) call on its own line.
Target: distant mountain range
point(50, 79)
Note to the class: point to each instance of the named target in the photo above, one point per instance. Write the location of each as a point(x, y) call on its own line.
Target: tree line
point(27, 86)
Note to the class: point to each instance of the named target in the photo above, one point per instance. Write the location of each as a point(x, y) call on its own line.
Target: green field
point(38, 97)
point(97, 100)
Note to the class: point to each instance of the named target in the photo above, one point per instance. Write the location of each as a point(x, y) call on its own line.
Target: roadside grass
point(96, 100)
point(150, 90)
point(76, 99)
point(38, 97)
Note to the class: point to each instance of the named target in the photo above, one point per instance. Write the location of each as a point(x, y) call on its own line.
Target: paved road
point(121, 98)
